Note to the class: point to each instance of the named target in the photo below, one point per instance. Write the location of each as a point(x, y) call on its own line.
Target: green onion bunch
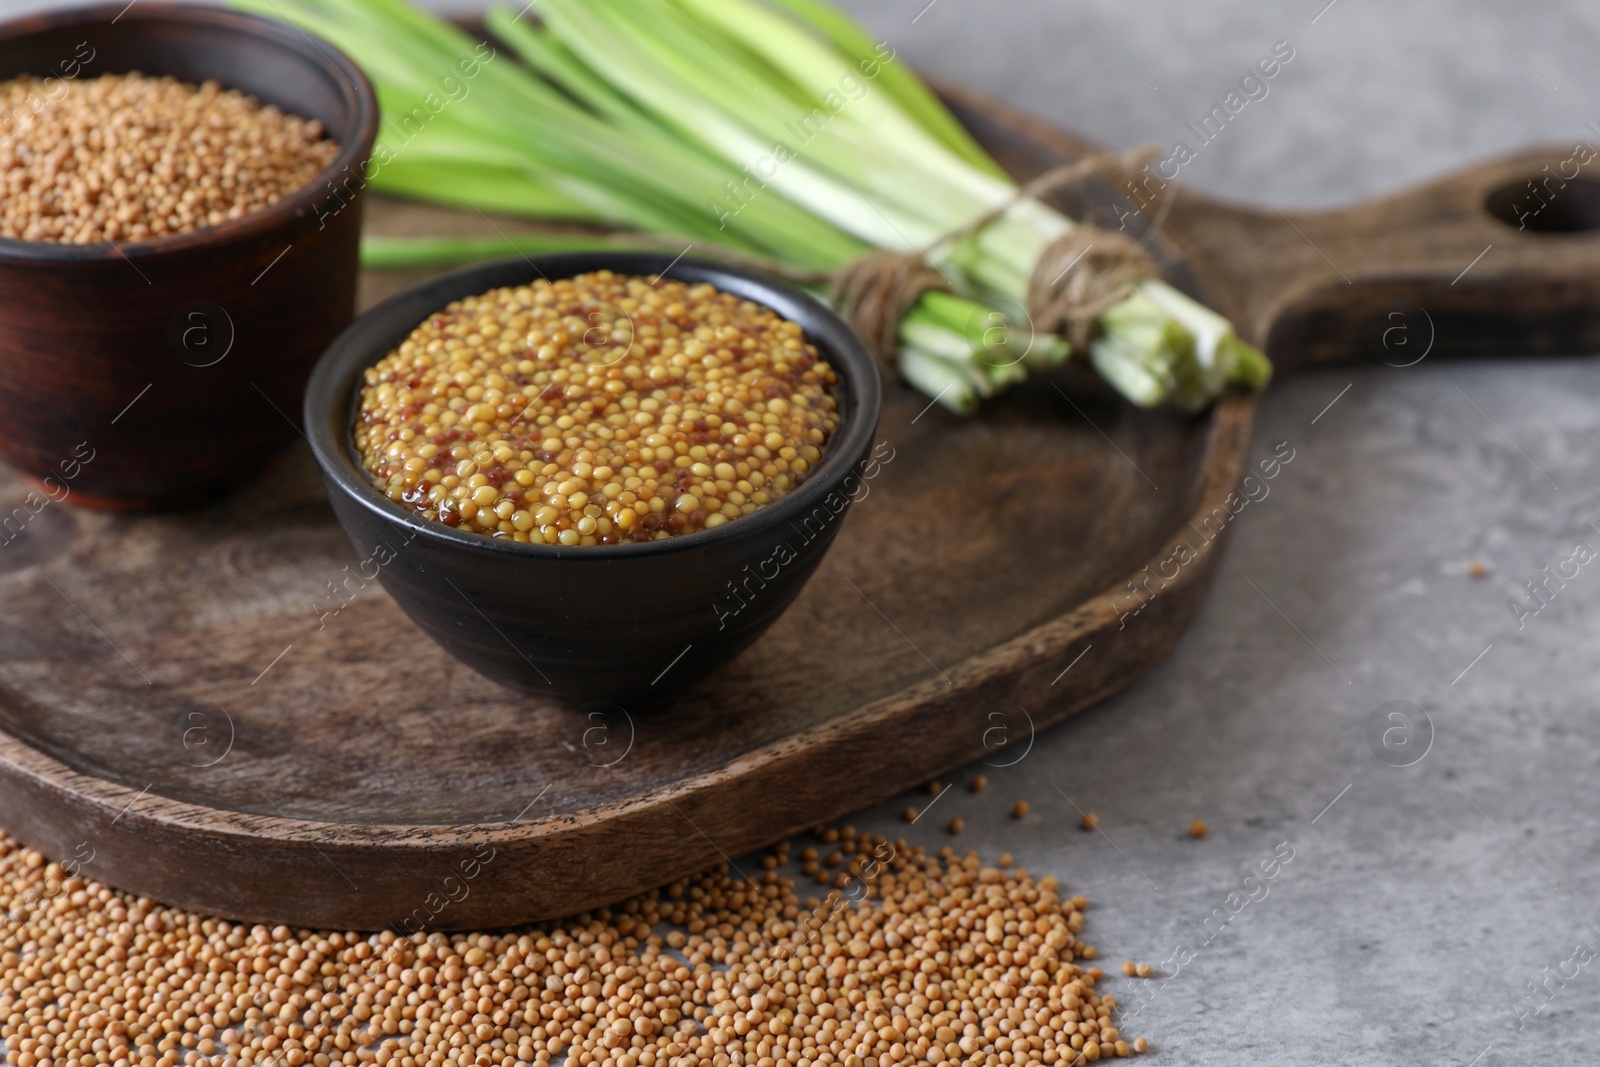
point(779, 131)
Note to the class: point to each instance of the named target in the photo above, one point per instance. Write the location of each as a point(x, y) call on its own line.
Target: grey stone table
point(1422, 900)
point(1423, 903)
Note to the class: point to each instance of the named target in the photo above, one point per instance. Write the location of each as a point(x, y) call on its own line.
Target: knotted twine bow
point(1076, 278)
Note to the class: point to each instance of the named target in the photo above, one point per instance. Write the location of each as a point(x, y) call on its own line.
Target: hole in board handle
point(1547, 203)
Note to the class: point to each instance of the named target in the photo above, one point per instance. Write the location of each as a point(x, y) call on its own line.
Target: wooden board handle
point(1501, 258)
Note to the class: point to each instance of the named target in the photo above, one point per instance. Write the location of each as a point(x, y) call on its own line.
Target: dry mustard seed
point(1005, 859)
point(1089, 821)
point(934, 788)
point(1476, 569)
point(1140, 1044)
point(1197, 829)
point(909, 814)
point(941, 960)
point(126, 157)
point(956, 826)
point(1019, 809)
point(978, 784)
point(596, 410)
point(1128, 968)
point(1144, 970)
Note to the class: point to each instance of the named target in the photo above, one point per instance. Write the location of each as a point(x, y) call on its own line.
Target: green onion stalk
point(783, 133)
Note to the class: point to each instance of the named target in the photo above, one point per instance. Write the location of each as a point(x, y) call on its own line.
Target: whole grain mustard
point(596, 410)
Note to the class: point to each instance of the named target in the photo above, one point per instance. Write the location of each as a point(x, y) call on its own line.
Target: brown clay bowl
point(156, 372)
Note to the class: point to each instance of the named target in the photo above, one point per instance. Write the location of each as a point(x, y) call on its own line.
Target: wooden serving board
point(189, 709)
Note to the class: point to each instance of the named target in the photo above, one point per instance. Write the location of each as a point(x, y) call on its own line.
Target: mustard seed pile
point(925, 960)
point(126, 157)
point(596, 410)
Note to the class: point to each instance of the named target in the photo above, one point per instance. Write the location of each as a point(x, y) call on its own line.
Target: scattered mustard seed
point(1005, 859)
point(1197, 828)
point(1128, 968)
point(1475, 569)
point(934, 788)
point(956, 826)
point(909, 814)
point(944, 961)
point(978, 784)
point(1019, 809)
point(1089, 821)
point(1144, 970)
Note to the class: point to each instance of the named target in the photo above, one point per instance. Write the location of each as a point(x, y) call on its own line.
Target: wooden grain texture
point(185, 695)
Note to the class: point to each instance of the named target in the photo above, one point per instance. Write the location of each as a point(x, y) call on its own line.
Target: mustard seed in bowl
point(130, 157)
point(599, 409)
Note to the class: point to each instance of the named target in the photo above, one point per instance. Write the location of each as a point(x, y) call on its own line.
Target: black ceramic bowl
point(605, 623)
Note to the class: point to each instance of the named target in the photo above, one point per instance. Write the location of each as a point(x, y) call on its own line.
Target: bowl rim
point(328, 403)
point(355, 150)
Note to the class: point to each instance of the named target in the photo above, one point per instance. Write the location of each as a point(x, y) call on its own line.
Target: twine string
point(1076, 278)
